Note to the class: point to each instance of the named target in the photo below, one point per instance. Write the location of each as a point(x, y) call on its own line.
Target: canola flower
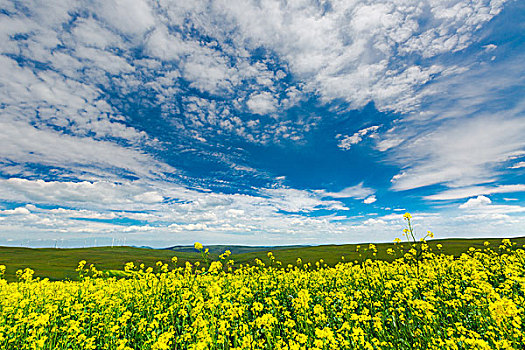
point(422, 300)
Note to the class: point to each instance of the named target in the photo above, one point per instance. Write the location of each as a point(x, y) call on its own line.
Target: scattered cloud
point(483, 205)
point(490, 47)
point(518, 165)
point(101, 194)
point(357, 61)
point(293, 200)
point(370, 199)
point(466, 136)
point(16, 211)
point(476, 202)
point(384, 145)
point(79, 156)
point(346, 142)
point(357, 191)
point(460, 153)
point(262, 103)
point(465, 192)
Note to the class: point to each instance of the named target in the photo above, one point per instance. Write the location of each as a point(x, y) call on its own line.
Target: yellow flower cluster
point(475, 301)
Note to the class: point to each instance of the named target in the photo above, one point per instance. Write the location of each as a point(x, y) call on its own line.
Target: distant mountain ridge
point(234, 249)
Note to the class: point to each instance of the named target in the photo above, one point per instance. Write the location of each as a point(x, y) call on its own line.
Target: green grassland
point(60, 264)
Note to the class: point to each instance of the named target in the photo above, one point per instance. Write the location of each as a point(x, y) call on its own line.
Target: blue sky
point(260, 122)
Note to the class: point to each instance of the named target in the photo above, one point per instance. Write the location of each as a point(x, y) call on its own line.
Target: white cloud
point(467, 134)
point(80, 213)
point(165, 46)
point(78, 155)
point(100, 194)
point(185, 210)
point(484, 221)
point(137, 229)
point(459, 153)
point(293, 200)
point(466, 192)
point(210, 220)
point(490, 47)
point(384, 145)
point(133, 17)
point(149, 197)
point(475, 202)
point(16, 211)
point(190, 227)
point(113, 64)
point(92, 34)
point(373, 222)
point(370, 199)
point(346, 142)
point(209, 72)
point(358, 192)
point(518, 165)
point(262, 103)
point(349, 50)
point(46, 97)
point(483, 207)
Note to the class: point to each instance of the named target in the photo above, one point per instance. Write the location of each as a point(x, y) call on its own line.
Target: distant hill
point(234, 249)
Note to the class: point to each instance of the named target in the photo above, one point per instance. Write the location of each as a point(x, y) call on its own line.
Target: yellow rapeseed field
point(422, 300)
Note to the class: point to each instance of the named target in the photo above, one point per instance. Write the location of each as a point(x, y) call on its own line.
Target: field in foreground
point(60, 264)
point(420, 300)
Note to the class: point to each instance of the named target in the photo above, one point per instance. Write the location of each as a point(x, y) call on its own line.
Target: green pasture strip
point(332, 254)
point(60, 264)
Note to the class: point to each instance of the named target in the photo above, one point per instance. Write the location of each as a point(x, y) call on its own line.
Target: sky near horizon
point(162, 123)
